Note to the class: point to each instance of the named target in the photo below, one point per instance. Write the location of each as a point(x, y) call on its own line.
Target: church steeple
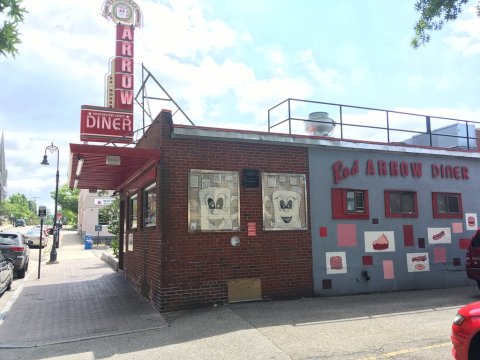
point(3, 171)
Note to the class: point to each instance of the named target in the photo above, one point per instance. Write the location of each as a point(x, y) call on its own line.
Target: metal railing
point(372, 124)
point(149, 113)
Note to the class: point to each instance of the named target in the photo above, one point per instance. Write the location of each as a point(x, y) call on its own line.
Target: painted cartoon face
point(215, 208)
point(286, 209)
point(122, 11)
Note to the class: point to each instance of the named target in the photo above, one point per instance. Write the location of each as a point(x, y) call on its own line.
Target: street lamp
point(53, 253)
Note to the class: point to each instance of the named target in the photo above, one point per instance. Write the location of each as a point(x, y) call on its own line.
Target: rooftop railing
point(370, 124)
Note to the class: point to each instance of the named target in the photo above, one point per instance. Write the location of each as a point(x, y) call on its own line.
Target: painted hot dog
point(438, 236)
point(419, 258)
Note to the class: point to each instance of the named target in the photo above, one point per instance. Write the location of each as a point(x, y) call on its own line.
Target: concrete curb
point(84, 338)
point(110, 260)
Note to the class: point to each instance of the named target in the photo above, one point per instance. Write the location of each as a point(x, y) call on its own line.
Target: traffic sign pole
point(42, 213)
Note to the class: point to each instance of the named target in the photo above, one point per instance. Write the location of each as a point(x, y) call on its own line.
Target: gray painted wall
point(440, 274)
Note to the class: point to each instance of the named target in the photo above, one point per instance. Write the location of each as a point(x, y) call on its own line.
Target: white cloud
point(219, 73)
point(277, 59)
point(466, 33)
point(24, 152)
point(182, 29)
point(258, 96)
point(415, 80)
point(327, 78)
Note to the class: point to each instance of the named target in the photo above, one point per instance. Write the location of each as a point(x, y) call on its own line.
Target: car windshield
point(8, 239)
point(33, 232)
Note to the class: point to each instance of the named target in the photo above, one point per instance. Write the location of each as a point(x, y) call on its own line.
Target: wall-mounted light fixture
point(79, 166)
point(113, 160)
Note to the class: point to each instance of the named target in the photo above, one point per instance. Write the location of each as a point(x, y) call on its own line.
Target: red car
point(466, 332)
point(473, 258)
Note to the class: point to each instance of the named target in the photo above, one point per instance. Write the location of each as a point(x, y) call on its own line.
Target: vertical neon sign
point(120, 82)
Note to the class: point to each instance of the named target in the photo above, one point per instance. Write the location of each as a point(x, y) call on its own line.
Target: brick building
point(211, 215)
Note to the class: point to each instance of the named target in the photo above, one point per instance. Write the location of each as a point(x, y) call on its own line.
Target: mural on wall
point(379, 241)
point(284, 201)
point(417, 262)
point(439, 236)
point(440, 254)
point(213, 200)
point(346, 235)
point(457, 228)
point(388, 270)
point(471, 221)
point(336, 262)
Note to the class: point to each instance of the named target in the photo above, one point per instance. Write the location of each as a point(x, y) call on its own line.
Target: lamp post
point(53, 253)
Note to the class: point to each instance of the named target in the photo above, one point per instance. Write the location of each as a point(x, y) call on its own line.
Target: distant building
point(3, 171)
point(89, 205)
point(456, 136)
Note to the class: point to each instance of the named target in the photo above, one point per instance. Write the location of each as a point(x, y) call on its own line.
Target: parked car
point(466, 332)
point(13, 246)
point(6, 274)
point(32, 237)
point(44, 228)
point(472, 263)
point(20, 222)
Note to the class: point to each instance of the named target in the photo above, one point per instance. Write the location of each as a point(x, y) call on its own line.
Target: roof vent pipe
point(319, 124)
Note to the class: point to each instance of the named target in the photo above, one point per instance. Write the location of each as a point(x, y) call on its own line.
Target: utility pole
point(35, 201)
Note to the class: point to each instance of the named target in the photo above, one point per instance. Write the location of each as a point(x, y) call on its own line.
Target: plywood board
point(244, 289)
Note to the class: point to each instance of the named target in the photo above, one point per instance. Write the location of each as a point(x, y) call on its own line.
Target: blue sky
point(226, 63)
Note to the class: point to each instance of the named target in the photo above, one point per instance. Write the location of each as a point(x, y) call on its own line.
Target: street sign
point(42, 212)
point(98, 227)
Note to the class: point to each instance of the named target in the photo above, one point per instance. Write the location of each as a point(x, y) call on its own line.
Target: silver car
point(13, 246)
point(6, 274)
point(32, 237)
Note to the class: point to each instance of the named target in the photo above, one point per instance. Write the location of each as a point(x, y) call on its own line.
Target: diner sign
point(114, 122)
point(394, 168)
point(104, 124)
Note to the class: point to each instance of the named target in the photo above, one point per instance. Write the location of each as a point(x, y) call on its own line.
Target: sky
point(225, 63)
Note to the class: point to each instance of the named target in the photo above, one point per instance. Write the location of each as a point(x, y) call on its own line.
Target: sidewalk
point(79, 297)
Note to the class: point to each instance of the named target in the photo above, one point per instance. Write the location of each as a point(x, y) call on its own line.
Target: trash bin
point(88, 241)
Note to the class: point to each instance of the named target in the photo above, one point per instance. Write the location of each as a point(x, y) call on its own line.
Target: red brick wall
point(192, 269)
point(143, 266)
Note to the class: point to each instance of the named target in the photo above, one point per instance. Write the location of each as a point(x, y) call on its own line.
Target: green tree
point(9, 35)
point(111, 214)
point(20, 207)
point(68, 204)
point(433, 16)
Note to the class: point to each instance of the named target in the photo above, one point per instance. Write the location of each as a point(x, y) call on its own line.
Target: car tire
point(474, 349)
point(21, 272)
point(9, 286)
point(478, 284)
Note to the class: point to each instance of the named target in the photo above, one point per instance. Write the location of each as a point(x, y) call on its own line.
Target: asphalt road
point(9, 296)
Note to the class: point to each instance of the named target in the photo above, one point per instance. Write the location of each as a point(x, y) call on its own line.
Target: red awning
point(107, 167)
